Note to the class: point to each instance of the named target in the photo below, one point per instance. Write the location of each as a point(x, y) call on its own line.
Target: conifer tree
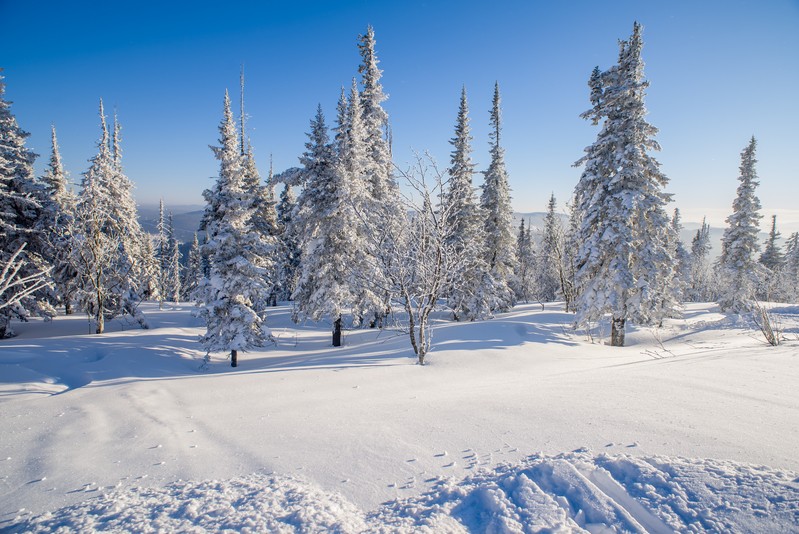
point(22, 244)
point(550, 256)
point(738, 269)
point(699, 289)
point(470, 297)
point(231, 297)
point(327, 224)
point(681, 257)
point(625, 264)
point(791, 271)
point(109, 243)
point(772, 257)
point(193, 273)
point(173, 271)
point(57, 225)
point(496, 205)
point(162, 253)
point(289, 248)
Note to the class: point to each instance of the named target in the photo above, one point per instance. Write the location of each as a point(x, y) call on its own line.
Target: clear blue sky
point(720, 71)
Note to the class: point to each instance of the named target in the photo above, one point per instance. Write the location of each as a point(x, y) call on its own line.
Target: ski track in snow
point(307, 438)
point(571, 492)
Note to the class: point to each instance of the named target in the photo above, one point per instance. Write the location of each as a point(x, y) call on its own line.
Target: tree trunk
point(617, 332)
point(100, 322)
point(67, 308)
point(337, 332)
point(234, 358)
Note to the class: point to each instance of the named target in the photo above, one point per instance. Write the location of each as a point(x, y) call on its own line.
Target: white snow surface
point(517, 424)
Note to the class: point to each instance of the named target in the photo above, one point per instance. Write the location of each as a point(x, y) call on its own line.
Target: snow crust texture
point(571, 492)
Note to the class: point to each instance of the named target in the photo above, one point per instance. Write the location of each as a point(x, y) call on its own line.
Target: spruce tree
point(57, 224)
point(791, 271)
point(496, 205)
point(192, 274)
point(162, 255)
point(772, 257)
point(550, 255)
point(738, 269)
point(22, 242)
point(231, 297)
point(699, 287)
point(625, 262)
point(327, 224)
point(470, 297)
point(173, 271)
point(289, 247)
point(109, 245)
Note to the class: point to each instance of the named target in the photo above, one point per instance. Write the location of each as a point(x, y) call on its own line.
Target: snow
point(517, 424)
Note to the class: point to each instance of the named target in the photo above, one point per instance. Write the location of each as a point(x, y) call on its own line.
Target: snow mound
point(256, 503)
point(572, 492)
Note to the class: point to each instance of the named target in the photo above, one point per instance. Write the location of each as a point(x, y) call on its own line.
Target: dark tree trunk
point(234, 358)
point(67, 308)
point(337, 332)
point(617, 332)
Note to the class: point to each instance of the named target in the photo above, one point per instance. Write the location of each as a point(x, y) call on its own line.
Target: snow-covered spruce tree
point(472, 295)
point(682, 259)
point(790, 278)
point(264, 215)
point(381, 205)
point(498, 227)
point(289, 247)
point(568, 275)
point(772, 257)
point(352, 164)
point(162, 255)
point(23, 246)
point(173, 271)
point(700, 281)
point(548, 261)
point(192, 273)
point(625, 262)
point(773, 260)
point(108, 250)
point(57, 224)
point(524, 268)
point(327, 225)
point(231, 296)
point(738, 270)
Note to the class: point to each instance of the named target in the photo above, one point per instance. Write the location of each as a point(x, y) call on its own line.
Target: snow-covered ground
point(516, 425)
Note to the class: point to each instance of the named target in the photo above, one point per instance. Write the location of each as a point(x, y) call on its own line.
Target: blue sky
point(720, 71)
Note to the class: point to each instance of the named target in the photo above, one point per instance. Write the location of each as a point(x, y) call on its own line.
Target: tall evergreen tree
point(681, 257)
point(470, 296)
point(498, 227)
point(174, 268)
point(231, 297)
point(21, 210)
point(699, 288)
point(772, 257)
point(738, 269)
point(162, 255)
point(625, 264)
point(550, 255)
point(109, 243)
point(375, 122)
point(791, 276)
point(57, 225)
point(327, 223)
point(289, 249)
point(192, 273)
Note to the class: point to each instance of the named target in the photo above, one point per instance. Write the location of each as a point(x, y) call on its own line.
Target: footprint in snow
point(451, 464)
point(439, 455)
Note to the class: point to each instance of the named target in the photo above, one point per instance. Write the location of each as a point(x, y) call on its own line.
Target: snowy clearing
point(672, 432)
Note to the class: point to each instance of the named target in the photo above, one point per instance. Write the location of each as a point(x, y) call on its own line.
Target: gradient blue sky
point(720, 71)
